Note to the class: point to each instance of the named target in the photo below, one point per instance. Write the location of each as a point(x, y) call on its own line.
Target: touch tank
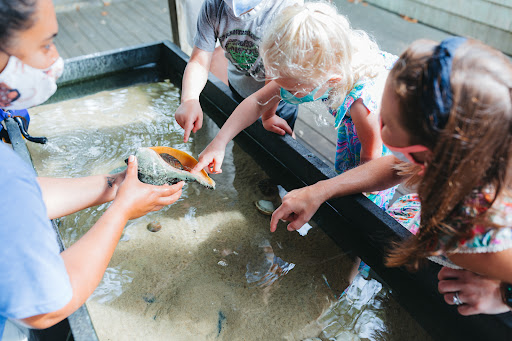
point(354, 224)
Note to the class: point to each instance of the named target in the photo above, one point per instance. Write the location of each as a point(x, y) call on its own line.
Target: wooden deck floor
point(97, 28)
point(94, 27)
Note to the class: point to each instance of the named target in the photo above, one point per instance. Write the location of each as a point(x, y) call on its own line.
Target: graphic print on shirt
point(243, 51)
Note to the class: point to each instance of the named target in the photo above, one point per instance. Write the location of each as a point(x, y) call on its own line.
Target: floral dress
point(484, 239)
point(348, 147)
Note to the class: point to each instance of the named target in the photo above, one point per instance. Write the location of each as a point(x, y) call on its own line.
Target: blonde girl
point(311, 53)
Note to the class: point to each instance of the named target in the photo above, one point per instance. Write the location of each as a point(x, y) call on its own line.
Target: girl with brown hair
point(446, 114)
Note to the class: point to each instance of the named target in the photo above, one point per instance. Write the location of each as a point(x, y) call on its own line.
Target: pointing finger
point(199, 166)
point(188, 128)
point(278, 214)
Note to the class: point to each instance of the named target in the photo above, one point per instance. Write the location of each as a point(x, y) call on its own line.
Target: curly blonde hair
point(312, 42)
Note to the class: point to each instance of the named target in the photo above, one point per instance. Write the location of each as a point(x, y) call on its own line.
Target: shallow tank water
point(213, 270)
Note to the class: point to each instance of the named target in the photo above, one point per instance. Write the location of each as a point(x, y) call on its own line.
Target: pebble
point(154, 226)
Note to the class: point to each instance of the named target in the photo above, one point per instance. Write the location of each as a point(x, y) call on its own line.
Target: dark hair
point(471, 154)
point(17, 15)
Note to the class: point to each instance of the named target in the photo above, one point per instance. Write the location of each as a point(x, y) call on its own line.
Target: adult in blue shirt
point(39, 286)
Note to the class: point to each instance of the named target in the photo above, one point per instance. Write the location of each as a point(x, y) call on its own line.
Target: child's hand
point(298, 207)
point(190, 117)
point(276, 125)
point(210, 159)
point(136, 199)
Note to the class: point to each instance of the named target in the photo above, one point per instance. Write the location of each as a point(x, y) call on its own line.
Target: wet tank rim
point(353, 222)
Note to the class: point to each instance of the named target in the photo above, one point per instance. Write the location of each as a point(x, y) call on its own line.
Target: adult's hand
point(298, 207)
point(87, 259)
point(190, 117)
point(479, 294)
point(136, 199)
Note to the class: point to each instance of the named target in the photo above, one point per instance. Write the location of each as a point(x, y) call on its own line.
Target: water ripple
point(268, 270)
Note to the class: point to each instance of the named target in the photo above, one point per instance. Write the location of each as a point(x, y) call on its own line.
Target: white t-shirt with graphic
point(240, 38)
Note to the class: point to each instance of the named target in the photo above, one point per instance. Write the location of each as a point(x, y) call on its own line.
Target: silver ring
point(456, 299)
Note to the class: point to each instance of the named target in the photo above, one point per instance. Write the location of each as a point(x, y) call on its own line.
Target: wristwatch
point(506, 293)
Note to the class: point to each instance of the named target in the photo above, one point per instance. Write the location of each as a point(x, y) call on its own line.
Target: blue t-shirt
point(33, 278)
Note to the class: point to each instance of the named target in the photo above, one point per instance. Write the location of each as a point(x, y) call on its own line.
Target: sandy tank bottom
point(213, 271)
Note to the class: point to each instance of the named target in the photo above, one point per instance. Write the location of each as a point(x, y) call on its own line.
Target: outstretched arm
point(87, 259)
point(495, 265)
point(189, 114)
point(67, 195)
point(245, 114)
point(301, 204)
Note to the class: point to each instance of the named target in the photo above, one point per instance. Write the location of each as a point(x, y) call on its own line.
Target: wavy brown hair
point(472, 152)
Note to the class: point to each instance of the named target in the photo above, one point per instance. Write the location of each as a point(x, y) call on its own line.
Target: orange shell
point(186, 160)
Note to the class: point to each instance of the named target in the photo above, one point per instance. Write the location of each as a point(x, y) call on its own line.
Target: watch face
point(506, 292)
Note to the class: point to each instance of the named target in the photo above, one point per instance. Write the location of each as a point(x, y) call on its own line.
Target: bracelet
point(506, 293)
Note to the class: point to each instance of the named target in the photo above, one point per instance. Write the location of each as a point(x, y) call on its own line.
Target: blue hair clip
point(437, 93)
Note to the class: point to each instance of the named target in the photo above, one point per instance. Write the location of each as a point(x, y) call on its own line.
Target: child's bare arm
point(189, 114)
point(368, 131)
point(244, 115)
point(247, 112)
point(196, 74)
point(272, 111)
point(301, 204)
point(480, 263)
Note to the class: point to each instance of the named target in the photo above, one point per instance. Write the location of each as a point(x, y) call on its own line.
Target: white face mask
point(241, 6)
point(23, 86)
